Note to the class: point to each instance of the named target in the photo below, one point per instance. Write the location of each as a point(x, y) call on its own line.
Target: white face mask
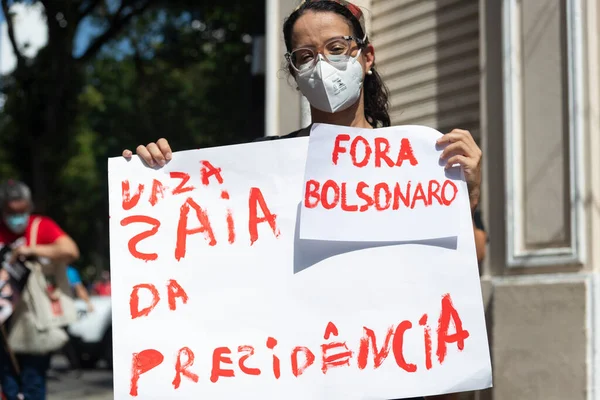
point(334, 86)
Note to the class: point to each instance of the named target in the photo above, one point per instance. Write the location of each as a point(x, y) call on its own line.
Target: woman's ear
point(369, 57)
point(292, 72)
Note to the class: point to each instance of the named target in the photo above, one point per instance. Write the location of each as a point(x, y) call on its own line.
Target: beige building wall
point(539, 137)
point(428, 54)
point(523, 76)
point(283, 112)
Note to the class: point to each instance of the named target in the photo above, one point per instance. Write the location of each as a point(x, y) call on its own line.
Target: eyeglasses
point(334, 50)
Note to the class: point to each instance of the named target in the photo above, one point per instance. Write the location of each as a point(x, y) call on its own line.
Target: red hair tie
point(352, 8)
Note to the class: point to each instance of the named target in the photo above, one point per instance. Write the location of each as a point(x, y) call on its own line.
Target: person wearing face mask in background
point(51, 244)
point(15, 227)
point(333, 63)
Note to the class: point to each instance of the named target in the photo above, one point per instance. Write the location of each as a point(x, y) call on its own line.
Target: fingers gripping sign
point(153, 154)
point(461, 149)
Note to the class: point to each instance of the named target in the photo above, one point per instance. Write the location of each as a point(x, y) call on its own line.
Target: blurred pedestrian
point(78, 287)
point(79, 291)
point(102, 287)
point(33, 237)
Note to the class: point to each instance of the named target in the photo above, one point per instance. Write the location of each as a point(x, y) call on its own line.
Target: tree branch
point(91, 6)
point(118, 22)
point(11, 32)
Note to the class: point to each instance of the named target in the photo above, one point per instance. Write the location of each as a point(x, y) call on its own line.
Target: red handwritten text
point(382, 196)
point(193, 218)
point(174, 292)
point(333, 353)
point(361, 151)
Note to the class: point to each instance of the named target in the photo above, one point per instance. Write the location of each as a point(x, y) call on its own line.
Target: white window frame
point(517, 255)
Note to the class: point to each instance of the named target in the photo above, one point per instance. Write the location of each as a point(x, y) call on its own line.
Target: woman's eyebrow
point(322, 42)
point(303, 46)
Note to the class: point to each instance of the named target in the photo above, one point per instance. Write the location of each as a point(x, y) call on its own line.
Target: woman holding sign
point(327, 50)
point(330, 57)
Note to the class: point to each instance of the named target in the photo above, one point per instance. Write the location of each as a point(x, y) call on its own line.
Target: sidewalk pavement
point(80, 395)
point(64, 384)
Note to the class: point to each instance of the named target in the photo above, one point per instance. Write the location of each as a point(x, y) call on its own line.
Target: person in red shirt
point(102, 288)
point(15, 227)
point(52, 244)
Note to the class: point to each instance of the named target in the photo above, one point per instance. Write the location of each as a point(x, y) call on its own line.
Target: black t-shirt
point(298, 133)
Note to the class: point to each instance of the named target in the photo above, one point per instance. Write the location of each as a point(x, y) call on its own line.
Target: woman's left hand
point(25, 251)
point(462, 149)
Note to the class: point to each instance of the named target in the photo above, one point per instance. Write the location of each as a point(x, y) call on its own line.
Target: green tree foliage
point(175, 69)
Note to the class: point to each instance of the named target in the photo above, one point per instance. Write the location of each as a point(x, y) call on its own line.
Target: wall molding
point(272, 65)
point(517, 255)
point(591, 280)
point(539, 279)
point(592, 10)
point(593, 338)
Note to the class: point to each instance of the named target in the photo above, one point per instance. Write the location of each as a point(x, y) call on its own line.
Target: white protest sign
point(382, 185)
point(216, 296)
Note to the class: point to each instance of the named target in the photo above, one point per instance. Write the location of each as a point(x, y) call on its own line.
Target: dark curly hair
point(376, 93)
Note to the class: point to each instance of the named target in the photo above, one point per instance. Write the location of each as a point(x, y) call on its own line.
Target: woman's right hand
point(153, 154)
